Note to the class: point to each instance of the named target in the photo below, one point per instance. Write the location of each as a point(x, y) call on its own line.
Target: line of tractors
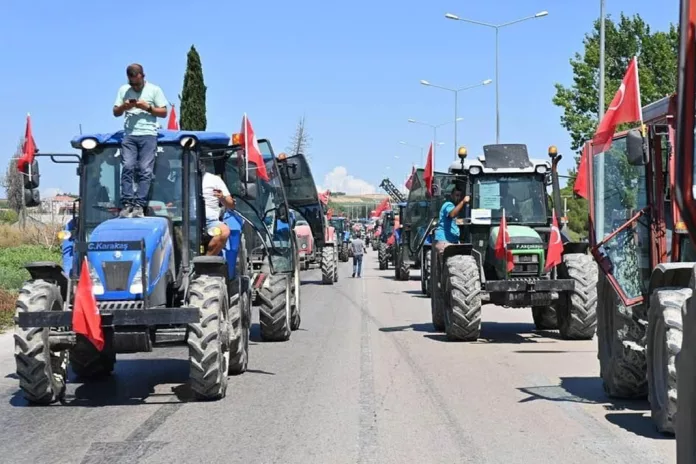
point(151, 276)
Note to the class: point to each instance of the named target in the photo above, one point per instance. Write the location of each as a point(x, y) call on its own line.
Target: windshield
point(337, 224)
point(262, 211)
point(302, 193)
point(523, 197)
point(101, 197)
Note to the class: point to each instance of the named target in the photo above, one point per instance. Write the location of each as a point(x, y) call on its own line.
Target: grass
point(18, 247)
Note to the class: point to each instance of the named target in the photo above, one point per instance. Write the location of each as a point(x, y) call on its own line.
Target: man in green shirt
point(142, 103)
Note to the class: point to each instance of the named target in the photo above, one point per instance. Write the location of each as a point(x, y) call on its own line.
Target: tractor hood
point(115, 263)
point(303, 231)
point(519, 235)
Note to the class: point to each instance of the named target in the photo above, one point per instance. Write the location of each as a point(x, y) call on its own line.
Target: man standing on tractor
point(358, 248)
point(215, 193)
point(447, 230)
point(142, 103)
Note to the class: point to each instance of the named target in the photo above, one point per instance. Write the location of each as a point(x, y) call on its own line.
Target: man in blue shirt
point(142, 103)
point(447, 230)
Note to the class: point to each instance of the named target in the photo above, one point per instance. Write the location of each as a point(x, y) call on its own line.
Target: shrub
point(8, 216)
point(12, 261)
point(7, 309)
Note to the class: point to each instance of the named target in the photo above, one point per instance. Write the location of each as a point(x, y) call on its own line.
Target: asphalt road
point(365, 380)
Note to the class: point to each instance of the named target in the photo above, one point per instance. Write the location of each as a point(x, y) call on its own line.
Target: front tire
point(382, 256)
point(462, 290)
point(664, 344)
point(544, 318)
point(328, 265)
point(42, 373)
point(425, 273)
point(274, 312)
point(208, 339)
point(577, 315)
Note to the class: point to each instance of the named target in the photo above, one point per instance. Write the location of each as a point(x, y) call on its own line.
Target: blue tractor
point(151, 277)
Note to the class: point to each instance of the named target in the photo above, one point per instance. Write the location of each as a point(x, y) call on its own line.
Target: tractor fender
point(671, 275)
point(236, 224)
point(330, 235)
point(50, 272)
point(210, 265)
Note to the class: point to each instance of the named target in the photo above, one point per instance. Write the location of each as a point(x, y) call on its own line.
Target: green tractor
point(467, 274)
point(342, 227)
point(386, 248)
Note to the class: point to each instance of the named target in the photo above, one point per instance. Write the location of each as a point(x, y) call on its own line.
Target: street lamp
point(456, 93)
point(497, 28)
point(435, 126)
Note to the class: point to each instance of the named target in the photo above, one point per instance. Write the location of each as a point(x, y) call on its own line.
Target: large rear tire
point(462, 290)
point(577, 312)
point(621, 340)
point(41, 372)
point(664, 345)
point(208, 339)
point(686, 374)
point(328, 266)
point(89, 363)
point(544, 318)
point(275, 308)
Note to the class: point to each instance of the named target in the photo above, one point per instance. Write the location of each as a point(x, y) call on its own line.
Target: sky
point(351, 68)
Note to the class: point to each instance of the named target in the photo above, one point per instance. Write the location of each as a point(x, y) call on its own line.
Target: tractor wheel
point(328, 265)
point(41, 372)
point(425, 273)
point(462, 291)
point(544, 318)
point(686, 419)
point(274, 312)
point(664, 345)
point(89, 363)
point(239, 326)
point(577, 313)
point(404, 270)
point(437, 301)
point(382, 256)
point(621, 340)
point(397, 269)
point(335, 279)
point(208, 340)
point(295, 310)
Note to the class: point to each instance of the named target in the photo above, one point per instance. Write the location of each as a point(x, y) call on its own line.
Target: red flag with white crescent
point(554, 255)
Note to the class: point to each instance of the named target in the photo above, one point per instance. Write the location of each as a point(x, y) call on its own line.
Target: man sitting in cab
point(447, 230)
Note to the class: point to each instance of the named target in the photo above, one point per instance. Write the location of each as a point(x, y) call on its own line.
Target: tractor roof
point(163, 136)
point(502, 159)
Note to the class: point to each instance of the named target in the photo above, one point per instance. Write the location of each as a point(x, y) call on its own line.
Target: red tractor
point(307, 250)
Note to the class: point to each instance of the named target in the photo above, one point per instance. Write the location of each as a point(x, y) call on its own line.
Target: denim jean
point(138, 162)
point(357, 264)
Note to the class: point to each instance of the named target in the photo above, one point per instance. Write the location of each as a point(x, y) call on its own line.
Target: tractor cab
point(303, 197)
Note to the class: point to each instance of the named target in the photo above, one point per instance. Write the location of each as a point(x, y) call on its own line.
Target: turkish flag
point(324, 197)
point(554, 255)
point(409, 182)
point(580, 187)
point(625, 107)
point(28, 148)
point(429, 173)
point(252, 150)
point(329, 213)
point(86, 319)
point(501, 243)
point(383, 206)
point(173, 124)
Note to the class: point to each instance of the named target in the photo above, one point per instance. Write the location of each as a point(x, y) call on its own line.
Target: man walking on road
point(142, 103)
point(358, 248)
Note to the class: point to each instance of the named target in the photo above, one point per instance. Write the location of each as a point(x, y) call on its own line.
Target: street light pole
point(497, 28)
point(456, 93)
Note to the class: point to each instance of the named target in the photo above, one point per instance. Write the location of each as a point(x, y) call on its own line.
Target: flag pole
point(600, 114)
point(246, 150)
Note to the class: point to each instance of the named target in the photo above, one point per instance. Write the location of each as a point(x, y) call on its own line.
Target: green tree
point(657, 66)
point(13, 182)
point(192, 97)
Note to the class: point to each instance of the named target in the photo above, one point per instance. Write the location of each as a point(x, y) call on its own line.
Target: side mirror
point(249, 191)
point(32, 198)
point(637, 152)
point(32, 181)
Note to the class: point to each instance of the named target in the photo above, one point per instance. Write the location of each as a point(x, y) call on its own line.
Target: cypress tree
point(192, 97)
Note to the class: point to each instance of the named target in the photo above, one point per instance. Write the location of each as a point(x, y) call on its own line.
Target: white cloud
point(338, 180)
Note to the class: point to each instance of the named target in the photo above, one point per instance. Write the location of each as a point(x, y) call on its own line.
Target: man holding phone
point(142, 103)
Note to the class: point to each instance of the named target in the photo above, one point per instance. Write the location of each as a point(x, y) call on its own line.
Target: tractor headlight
point(97, 285)
point(475, 170)
point(64, 235)
point(304, 246)
point(541, 169)
point(137, 282)
point(89, 143)
point(188, 142)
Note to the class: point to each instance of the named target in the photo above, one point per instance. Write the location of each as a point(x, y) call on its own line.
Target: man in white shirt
point(216, 195)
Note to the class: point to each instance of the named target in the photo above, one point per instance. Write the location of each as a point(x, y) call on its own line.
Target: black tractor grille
point(116, 275)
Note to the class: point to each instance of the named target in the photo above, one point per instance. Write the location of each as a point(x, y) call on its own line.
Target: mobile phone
point(132, 100)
